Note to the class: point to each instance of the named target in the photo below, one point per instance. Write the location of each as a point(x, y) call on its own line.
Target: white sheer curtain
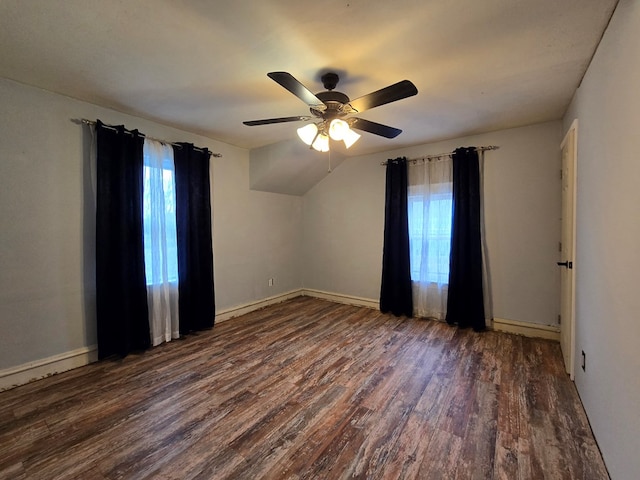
point(430, 211)
point(160, 244)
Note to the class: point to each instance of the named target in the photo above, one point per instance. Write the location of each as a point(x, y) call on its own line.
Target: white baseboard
point(341, 298)
point(549, 332)
point(238, 310)
point(28, 372)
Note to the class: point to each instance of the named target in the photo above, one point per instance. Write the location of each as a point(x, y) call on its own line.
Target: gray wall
point(608, 241)
point(343, 222)
point(47, 225)
point(47, 221)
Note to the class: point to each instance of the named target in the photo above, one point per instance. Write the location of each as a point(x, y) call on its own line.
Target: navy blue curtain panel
point(121, 292)
point(195, 248)
point(395, 291)
point(465, 302)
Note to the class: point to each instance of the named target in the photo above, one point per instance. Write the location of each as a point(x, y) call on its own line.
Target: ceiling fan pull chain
point(329, 170)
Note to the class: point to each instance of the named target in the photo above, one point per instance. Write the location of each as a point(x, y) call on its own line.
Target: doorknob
point(566, 264)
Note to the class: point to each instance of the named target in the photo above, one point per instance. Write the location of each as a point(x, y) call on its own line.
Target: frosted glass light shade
point(308, 133)
point(338, 128)
point(350, 137)
point(321, 143)
point(318, 139)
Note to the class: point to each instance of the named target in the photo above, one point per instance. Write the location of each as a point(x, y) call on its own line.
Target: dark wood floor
point(308, 389)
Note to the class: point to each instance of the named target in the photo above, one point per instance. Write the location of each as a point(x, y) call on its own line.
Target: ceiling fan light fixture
point(338, 129)
point(308, 133)
point(350, 137)
point(321, 143)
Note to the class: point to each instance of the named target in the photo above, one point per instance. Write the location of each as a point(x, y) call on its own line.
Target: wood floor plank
point(308, 389)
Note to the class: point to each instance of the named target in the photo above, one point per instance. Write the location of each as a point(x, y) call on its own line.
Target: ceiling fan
point(331, 109)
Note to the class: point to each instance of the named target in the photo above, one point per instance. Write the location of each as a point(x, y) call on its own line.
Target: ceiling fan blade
point(373, 127)
point(389, 94)
point(269, 121)
point(289, 82)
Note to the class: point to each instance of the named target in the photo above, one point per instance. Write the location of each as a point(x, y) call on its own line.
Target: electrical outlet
point(584, 361)
point(271, 282)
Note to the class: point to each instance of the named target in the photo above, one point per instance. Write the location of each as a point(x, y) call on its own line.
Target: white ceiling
point(201, 65)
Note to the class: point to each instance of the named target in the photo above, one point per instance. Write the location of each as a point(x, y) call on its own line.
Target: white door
point(567, 247)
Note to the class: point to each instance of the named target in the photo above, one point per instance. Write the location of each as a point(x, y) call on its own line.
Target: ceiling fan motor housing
point(335, 102)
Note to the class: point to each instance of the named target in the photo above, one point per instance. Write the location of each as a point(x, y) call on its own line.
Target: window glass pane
point(159, 222)
point(415, 236)
point(430, 236)
point(170, 218)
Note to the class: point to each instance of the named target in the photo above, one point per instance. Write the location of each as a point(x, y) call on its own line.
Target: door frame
point(570, 323)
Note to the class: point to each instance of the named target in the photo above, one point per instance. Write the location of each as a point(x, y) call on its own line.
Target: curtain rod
point(91, 122)
point(428, 158)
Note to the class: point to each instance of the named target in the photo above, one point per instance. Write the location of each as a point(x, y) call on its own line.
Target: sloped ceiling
point(289, 167)
point(201, 65)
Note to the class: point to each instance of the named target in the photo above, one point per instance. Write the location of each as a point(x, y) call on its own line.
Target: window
point(430, 237)
point(159, 215)
point(160, 241)
point(430, 210)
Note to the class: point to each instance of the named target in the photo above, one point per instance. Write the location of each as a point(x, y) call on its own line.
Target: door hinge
point(559, 319)
point(566, 264)
point(559, 246)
